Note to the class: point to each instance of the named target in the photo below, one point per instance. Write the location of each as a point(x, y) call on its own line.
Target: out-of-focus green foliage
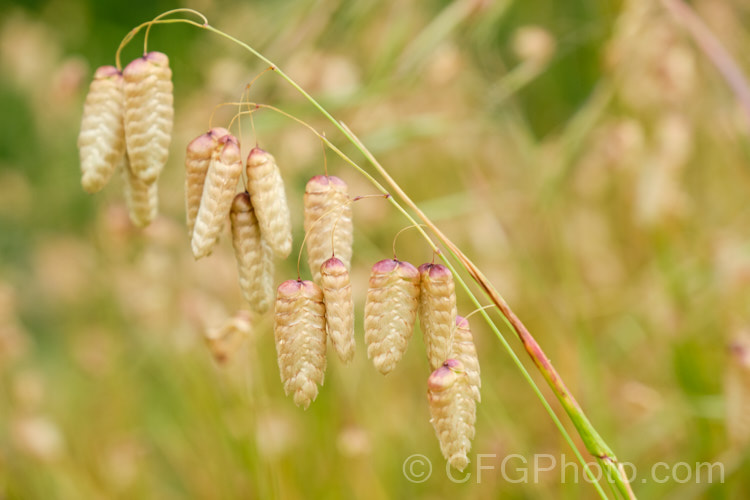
point(586, 154)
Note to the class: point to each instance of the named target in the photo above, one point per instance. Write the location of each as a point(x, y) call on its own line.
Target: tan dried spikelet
point(101, 142)
point(737, 392)
point(197, 160)
point(225, 341)
point(465, 352)
point(142, 198)
point(224, 173)
point(437, 311)
point(266, 188)
point(453, 411)
point(300, 333)
point(390, 312)
point(254, 256)
point(337, 295)
point(149, 114)
point(327, 204)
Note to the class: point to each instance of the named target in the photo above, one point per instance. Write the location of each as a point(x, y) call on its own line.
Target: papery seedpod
point(226, 340)
point(266, 188)
point(327, 204)
point(224, 173)
point(197, 160)
point(149, 114)
point(101, 142)
point(453, 411)
point(300, 333)
point(337, 295)
point(437, 311)
point(254, 256)
point(465, 351)
point(390, 312)
point(142, 198)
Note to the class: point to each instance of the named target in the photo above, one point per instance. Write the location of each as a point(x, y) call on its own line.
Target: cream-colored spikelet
point(337, 295)
point(224, 173)
point(149, 114)
point(101, 142)
point(453, 411)
point(437, 311)
point(254, 256)
point(226, 340)
point(465, 351)
point(197, 160)
point(390, 312)
point(300, 333)
point(266, 188)
point(142, 198)
point(327, 205)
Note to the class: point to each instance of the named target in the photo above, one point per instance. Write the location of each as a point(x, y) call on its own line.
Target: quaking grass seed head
point(197, 160)
point(226, 340)
point(101, 141)
point(453, 411)
point(337, 294)
point(300, 334)
point(437, 311)
point(390, 312)
point(465, 352)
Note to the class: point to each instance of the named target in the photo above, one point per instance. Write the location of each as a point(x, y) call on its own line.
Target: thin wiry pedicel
point(142, 198)
point(254, 256)
point(453, 411)
point(327, 204)
point(101, 141)
point(465, 351)
point(300, 333)
point(149, 114)
point(224, 173)
point(337, 294)
point(266, 188)
point(390, 312)
point(437, 311)
point(197, 161)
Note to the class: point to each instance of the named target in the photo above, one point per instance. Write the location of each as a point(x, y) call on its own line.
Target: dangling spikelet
point(390, 312)
point(148, 114)
point(437, 312)
point(453, 411)
point(337, 294)
point(224, 173)
point(465, 351)
point(327, 204)
point(300, 332)
point(254, 256)
point(142, 198)
point(197, 160)
point(267, 194)
point(226, 340)
point(101, 142)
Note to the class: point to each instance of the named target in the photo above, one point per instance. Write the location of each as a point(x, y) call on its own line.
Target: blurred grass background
point(585, 154)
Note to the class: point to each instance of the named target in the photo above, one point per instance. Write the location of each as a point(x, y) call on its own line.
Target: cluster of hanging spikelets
point(127, 123)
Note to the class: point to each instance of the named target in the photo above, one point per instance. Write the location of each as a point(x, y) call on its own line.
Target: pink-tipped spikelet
point(465, 351)
point(101, 142)
point(266, 188)
point(327, 204)
point(337, 294)
point(390, 312)
point(300, 333)
point(453, 411)
point(437, 311)
point(224, 173)
point(197, 161)
point(142, 198)
point(149, 114)
point(254, 256)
